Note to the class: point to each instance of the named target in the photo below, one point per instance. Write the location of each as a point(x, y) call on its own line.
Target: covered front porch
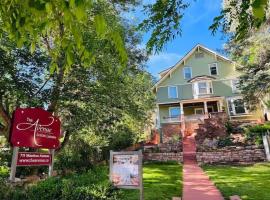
point(188, 110)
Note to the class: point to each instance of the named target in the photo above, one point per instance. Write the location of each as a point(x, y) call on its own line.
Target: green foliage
point(223, 142)
point(163, 21)
point(58, 26)
point(92, 185)
point(236, 18)
point(255, 133)
point(229, 127)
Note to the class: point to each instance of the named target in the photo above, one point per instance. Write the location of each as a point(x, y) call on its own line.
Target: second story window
point(187, 72)
point(213, 69)
point(202, 87)
point(172, 92)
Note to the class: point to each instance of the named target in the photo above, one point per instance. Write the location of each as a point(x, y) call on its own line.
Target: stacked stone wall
point(238, 155)
point(163, 157)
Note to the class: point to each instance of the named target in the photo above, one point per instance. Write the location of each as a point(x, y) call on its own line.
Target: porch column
point(182, 118)
point(182, 111)
point(157, 117)
point(220, 106)
point(205, 108)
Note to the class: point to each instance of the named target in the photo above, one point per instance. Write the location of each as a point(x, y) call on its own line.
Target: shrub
point(254, 133)
point(223, 142)
point(92, 185)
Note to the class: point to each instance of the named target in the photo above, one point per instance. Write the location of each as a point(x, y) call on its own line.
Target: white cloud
point(162, 61)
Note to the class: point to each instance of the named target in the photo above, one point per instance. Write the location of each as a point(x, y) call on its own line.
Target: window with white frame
point(187, 71)
point(213, 69)
point(174, 112)
point(172, 92)
point(202, 87)
point(235, 83)
point(237, 106)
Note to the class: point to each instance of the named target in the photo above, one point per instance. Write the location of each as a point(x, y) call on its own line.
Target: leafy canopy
point(58, 27)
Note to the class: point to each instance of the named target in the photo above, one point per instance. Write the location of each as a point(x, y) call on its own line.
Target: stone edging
point(163, 157)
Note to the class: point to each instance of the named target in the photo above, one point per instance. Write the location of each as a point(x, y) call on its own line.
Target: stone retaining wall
point(226, 156)
point(163, 157)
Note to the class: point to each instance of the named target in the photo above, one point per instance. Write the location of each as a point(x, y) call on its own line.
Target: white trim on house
point(234, 88)
point(216, 66)
point(182, 61)
point(172, 86)
point(184, 74)
point(224, 79)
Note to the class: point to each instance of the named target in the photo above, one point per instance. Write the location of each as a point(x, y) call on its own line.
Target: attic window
point(199, 55)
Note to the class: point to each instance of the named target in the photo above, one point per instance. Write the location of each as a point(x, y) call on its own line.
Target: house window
point(237, 107)
point(172, 92)
point(202, 87)
point(199, 111)
point(235, 86)
point(174, 112)
point(187, 72)
point(213, 69)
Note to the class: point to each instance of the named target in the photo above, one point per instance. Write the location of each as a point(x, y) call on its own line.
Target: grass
point(162, 181)
point(249, 182)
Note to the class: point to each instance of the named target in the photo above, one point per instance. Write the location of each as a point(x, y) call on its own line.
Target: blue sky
point(198, 17)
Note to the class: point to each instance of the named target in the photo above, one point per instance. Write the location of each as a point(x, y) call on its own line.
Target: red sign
point(36, 128)
point(33, 159)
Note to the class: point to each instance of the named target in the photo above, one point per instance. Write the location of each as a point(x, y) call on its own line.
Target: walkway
point(197, 185)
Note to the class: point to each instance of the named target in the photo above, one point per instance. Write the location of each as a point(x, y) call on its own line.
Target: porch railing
point(171, 119)
point(200, 117)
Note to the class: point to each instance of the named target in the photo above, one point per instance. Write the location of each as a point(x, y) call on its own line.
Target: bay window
point(202, 88)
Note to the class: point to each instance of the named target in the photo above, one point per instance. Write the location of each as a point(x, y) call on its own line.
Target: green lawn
point(249, 182)
point(162, 181)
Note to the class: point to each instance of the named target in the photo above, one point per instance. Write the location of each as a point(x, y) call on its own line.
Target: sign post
point(33, 128)
point(126, 170)
point(13, 164)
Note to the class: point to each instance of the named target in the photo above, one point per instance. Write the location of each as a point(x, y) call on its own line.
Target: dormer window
point(213, 69)
point(187, 71)
point(172, 92)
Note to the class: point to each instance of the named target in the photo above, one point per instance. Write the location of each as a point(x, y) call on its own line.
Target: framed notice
point(126, 170)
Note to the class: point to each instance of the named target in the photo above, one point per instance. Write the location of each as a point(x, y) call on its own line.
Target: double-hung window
point(213, 69)
point(174, 112)
point(187, 71)
point(237, 106)
point(172, 92)
point(203, 87)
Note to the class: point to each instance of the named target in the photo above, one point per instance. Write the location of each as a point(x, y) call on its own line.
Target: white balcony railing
point(171, 119)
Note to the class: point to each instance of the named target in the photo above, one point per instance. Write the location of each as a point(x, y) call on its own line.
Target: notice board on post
point(126, 170)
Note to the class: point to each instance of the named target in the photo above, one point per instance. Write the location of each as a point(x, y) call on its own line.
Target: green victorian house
point(202, 83)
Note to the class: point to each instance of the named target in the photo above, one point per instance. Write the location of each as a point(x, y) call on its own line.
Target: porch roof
point(213, 98)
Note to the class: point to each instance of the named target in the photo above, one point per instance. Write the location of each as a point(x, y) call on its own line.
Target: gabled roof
point(168, 71)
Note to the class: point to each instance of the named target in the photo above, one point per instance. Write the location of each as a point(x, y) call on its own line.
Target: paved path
point(197, 185)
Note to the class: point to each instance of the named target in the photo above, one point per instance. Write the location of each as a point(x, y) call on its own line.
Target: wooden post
point(51, 165)
point(14, 164)
point(205, 109)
